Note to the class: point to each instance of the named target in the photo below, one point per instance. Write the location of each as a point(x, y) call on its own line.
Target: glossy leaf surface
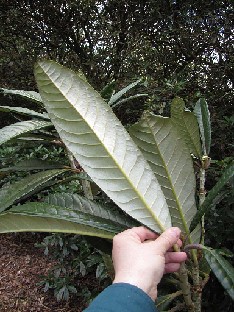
point(51, 211)
point(164, 301)
point(203, 116)
point(27, 186)
point(36, 217)
point(108, 90)
point(32, 164)
point(221, 268)
point(212, 196)
point(79, 203)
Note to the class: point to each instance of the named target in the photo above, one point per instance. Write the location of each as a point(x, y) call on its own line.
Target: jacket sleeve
point(122, 297)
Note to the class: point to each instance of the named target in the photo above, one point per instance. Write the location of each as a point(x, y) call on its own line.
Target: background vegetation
point(180, 48)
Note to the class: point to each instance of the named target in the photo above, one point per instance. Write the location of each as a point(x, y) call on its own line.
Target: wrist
point(150, 290)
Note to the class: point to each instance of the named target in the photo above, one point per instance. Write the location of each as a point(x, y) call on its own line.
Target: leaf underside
point(117, 96)
point(130, 98)
point(23, 111)
point(164, 149)
point(30, 95)
point(203, 118)
point(20, 128)
point(187, 126)
point(97, 139)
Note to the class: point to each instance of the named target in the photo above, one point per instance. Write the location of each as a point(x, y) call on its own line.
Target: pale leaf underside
point(100, 143)
point(23, 111)
point(30, 95)
point(203, 117)
point(171, 162)
point(20, 128)
point(187, 126)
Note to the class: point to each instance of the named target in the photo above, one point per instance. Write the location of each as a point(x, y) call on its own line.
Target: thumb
point(167, 239)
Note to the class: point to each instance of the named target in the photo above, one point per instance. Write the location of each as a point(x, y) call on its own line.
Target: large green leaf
point(108, 90)
point(20, 128)
point(203, 117)
point(79, 203)
point(164, 301)
point(222, 269)
point(33, 164)
point(133, 97)
point(213, 195)
point(94, 135)
point(45, 210)
point(27, 186)
point(164, 148)
point(23, 111)
point(187, 126)
point(15, 221)
point(117, 96)
point(30, 95)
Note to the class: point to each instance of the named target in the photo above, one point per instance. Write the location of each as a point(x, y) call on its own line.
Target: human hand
point(141, 257)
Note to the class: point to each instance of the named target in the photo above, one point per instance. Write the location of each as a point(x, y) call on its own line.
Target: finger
point(175, 257)
point(140, 233)
point(179, 243)
point(143, 233)
point(167, 239)
point(171, 267)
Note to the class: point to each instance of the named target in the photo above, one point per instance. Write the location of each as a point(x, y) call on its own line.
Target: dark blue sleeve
point(122, 297)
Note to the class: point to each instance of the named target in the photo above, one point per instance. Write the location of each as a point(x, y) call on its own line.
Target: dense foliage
point(176, 47)
point(181, 48)
point(184, 45)
point(147, 172)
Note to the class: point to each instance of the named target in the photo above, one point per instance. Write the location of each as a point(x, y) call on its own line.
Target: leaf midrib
point(114, 160)
point(170, 181)
point(213, 253)
point(191, 139)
